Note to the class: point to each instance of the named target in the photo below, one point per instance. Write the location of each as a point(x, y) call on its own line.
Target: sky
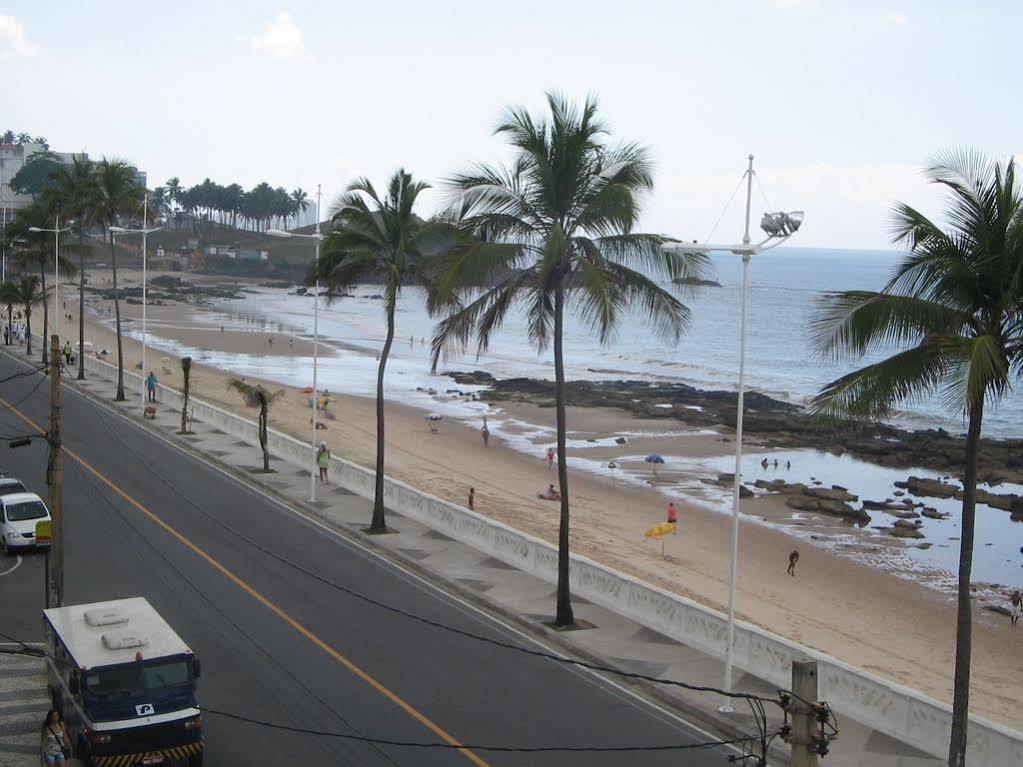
point(842, 103)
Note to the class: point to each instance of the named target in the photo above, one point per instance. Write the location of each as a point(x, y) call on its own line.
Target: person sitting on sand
point(550, 494)
point(793, 558)
point(1015, 607)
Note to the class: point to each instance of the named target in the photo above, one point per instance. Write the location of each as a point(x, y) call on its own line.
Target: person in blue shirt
point(151, 386)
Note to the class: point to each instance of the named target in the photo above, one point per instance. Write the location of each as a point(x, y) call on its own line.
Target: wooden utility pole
point(804, 685)
point(55, 478)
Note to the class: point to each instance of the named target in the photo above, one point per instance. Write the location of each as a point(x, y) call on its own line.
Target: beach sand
point(862, 615)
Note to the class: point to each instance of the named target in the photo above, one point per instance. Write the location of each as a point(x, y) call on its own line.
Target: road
point(279, 646)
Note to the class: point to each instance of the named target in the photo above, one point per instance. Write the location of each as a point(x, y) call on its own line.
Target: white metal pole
point(314, 475)
point(145, 223)
point(734, 565)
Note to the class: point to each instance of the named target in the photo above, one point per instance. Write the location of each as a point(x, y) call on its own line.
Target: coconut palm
point(186, 390)
point(116, 194)
point(381, 239)
point(255, 395)
point(8, 298)
point(74, 191)
point(559, 224)
point(300, 200)
point(953, 308)
point(26, 292)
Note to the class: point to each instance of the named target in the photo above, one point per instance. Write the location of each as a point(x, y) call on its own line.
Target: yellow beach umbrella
point(661, 530)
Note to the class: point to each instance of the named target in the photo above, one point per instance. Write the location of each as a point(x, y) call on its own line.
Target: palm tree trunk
point(119, 396)
point(186, 374)
point(10, 324)
point(262, 437)
point(379, 522)
point(81, 305)
point(564, 616)
point(46, 312)
point(28, 330)
point(964, 623)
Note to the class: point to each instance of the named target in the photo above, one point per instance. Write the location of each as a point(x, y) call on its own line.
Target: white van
point(19, 513)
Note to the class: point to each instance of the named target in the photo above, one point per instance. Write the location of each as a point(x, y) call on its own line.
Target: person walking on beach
point(151, 386)
point(485, 432)
point(550, 458)
point(793, 558)
point(673, 516)
point(67, 352)
point(323, 460)
point(1015, 607)
point(53, 740)
point(472, 498)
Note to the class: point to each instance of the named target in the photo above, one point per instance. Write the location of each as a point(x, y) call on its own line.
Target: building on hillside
point(13, 157)
point(254, 255)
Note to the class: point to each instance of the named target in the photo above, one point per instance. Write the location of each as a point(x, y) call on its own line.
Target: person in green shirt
point(323, 460)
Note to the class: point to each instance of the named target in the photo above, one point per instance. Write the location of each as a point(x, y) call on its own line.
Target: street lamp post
point(56, 231)
point(318, 238)
point(145, 232)
point(778, 227)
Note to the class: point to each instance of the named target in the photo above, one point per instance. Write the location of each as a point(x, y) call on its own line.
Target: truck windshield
point(19, 512)
point(149, 676)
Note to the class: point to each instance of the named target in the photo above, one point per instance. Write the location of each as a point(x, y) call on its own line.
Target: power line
point(725, 209)
point(480, 746)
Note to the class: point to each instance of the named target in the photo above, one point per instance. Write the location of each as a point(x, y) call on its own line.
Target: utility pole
point(804, 700)
point(55, 478)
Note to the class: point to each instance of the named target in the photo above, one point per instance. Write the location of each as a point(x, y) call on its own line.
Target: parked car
point(10, 485)
point(19, 513)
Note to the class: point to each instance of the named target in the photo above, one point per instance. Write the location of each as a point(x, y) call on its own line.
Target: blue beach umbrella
point(654, 459)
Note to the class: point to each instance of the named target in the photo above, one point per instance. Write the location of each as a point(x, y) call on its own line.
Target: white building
point(13, 158)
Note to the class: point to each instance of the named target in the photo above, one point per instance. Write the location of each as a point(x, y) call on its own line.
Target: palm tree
point(26, 292)
point(954, 308)
point(186, 375)
point(381, 238)
point(74, 191)
point(8, 137)
point(255, 395)
point(559, 224)
point(8, 298)
point(300, 201)
point(116, 193)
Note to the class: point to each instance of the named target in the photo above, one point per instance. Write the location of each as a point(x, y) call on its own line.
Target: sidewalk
point(23, 706)
point(518, 598)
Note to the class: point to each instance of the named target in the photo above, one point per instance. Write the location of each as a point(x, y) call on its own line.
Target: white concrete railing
point(893, 709)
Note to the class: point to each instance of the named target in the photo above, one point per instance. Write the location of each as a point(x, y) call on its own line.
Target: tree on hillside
point(300, 201)
point(116, 195)
point(558, 222)
point(381, 238)
point(255, 395)
point(74, 192)
point(36, 175)
point(954, 310)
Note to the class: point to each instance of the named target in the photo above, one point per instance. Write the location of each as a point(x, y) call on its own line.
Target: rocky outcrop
point(903, 528)
point(931, 488)
point(697, 282)
point(932, 513)
point(826, 506)
point(775, 423)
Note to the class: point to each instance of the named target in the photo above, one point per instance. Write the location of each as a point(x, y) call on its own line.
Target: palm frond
point(979, 370)
point(874, 391)
point(851, 323)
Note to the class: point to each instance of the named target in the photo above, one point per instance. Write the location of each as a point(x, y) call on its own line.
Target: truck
point(125, 684)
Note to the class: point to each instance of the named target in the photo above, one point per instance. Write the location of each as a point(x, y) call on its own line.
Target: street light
point(144, 232)
point(56, 268)
point(778, 227)
point(318, 238)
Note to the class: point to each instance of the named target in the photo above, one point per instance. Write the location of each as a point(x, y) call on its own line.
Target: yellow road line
point(359, 672)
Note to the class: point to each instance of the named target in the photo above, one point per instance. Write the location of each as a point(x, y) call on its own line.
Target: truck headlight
point(99, 739)
point(194, 723)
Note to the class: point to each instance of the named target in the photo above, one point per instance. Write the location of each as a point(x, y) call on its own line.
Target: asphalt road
point(354, 669)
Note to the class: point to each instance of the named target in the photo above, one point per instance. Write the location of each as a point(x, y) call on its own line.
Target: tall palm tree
point(116, 194)
point(300, 200)
point(382, 239)
point(26, 292)
point(74, 191)
point(954, 309)
point(255, 395)
point(559, 223)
